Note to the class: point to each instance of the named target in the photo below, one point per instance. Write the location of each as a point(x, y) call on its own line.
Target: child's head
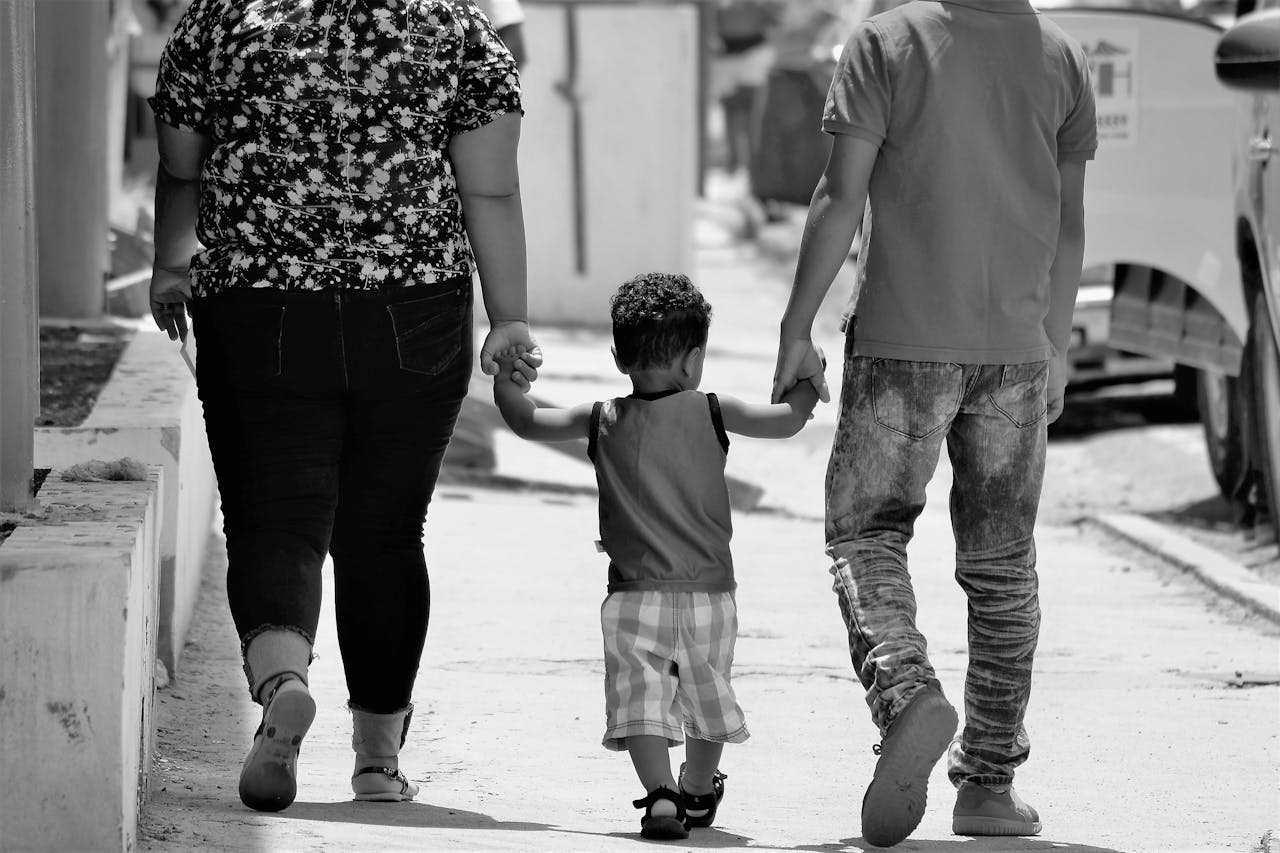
point(657, 319)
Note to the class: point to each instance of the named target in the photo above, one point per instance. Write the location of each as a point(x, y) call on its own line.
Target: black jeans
point(328, 416)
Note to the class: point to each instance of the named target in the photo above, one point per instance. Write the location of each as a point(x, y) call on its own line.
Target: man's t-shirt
point(973, 103)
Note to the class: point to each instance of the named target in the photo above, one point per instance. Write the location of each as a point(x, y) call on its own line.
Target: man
point(968, 124)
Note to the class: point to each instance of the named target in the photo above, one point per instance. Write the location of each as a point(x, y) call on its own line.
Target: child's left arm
point(770, 420)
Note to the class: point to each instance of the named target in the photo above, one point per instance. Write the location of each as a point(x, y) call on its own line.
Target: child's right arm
point(772, 420)
point(529, 420)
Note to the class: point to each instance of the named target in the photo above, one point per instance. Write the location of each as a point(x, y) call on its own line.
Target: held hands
point(799, 359)
point(170, 293)
point(511, 341)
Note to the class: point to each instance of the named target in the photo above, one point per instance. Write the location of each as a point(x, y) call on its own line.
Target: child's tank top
point(664, 505)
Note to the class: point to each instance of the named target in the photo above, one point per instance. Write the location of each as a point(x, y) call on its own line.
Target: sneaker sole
point(984, 826)
point(895, 800)
point(268, 782)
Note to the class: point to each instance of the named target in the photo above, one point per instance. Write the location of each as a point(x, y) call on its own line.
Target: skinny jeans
point(328, 415)
point(895, 417)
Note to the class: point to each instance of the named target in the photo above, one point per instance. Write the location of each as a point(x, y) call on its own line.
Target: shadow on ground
point(968, 845)
point(705, 839)
point(409, 815)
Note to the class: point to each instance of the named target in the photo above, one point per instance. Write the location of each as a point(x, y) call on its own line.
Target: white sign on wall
point(1113, 63)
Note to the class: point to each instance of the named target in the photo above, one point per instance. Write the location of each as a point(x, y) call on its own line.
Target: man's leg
point(997, 447)
point(893, 418)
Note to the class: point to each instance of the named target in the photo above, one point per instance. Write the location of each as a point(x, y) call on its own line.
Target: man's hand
point(799, 359)
point(512, 339)
point(170, 293)
point(1056, 390)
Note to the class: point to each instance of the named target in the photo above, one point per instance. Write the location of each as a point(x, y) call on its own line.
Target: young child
point(669, 619)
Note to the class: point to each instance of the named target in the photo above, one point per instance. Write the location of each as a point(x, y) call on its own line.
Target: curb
point(1224, 576)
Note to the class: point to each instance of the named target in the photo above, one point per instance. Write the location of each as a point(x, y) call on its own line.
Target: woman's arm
point(182, 156)
point(484, 165)
point(771, 420)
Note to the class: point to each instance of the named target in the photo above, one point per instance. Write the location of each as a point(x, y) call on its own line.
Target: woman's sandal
point(706, 803)
point(382, 785)
point(662, 827)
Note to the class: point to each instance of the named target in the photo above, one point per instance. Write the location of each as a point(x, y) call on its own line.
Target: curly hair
point(658, 317)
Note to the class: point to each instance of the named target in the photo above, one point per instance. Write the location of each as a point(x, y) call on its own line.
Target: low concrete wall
point(77, 665)
point(149, 411)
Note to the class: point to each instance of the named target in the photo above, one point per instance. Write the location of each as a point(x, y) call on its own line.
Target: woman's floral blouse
point(330, 121)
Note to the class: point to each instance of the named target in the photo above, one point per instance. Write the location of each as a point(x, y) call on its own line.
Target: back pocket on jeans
point(429, 331)
point(252, 338)
point(1021, 396)
point(915, 398)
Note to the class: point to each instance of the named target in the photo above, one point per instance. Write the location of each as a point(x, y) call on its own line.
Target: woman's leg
point(266, 361)
point(408, 378)
point(275, 420)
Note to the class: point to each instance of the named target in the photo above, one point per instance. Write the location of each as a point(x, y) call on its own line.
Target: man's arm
point(834, 215)
point(1064, 280)
point(774, 420)
point(529, 420)
point(177, 202)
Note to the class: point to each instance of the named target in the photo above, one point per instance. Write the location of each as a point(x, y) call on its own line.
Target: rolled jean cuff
point(262, 629)
point(352, 706)
point(986, 780)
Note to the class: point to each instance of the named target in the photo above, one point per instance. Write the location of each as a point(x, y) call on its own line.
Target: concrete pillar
point(72, 196)
point(19, 349)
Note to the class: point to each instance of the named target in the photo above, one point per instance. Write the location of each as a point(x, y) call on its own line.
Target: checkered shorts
point(667, 657)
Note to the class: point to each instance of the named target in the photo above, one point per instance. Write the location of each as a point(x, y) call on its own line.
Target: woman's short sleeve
point(488, 81)
point(182, 92)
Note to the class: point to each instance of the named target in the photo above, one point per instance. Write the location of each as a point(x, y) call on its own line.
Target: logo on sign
point(1112, 69)
point(1113, 64)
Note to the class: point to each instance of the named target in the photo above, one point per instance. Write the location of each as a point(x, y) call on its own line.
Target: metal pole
point(19, 329)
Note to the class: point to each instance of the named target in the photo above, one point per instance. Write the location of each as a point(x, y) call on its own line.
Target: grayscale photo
point(618, 425)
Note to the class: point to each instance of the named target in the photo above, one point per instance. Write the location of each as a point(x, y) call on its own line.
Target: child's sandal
point(706, 803)
point(662, 827)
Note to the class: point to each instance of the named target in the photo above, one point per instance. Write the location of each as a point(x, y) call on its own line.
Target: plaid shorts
point(667, 657)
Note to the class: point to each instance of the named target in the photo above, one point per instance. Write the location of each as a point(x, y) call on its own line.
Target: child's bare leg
point(653, 766)
point(702, 759)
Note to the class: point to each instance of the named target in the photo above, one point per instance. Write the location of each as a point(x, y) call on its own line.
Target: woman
point(341, 162)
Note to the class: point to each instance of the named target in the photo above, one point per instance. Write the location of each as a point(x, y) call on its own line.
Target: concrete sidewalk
point(1149, 730)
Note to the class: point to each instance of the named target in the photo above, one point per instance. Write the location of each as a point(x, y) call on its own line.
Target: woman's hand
point(512, 339)
point(170, 293)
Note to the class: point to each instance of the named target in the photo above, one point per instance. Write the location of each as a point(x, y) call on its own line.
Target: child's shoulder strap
point(594, 429)
point(717, 420)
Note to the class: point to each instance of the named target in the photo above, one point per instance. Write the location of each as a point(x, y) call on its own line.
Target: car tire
point(1186, 390)
point(1219, 401)
point(1265, 399)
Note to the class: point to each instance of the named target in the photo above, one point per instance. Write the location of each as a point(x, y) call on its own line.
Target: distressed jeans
point(328, 415)
point(894, 417)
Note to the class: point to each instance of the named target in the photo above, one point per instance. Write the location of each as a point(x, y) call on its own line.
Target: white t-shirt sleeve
point(502, 13)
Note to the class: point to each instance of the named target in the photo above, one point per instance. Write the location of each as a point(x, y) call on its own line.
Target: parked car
point(1247, 61)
